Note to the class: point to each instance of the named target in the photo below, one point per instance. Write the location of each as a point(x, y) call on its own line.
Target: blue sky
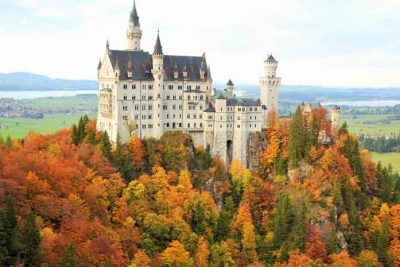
point(318, 42)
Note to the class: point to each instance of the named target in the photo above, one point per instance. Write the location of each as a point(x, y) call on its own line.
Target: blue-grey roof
point(271, 59)
point(230, 83)
point(242, 102)
point(134, 18)
point(210, 108)
point(142, 64)
point(158, 47)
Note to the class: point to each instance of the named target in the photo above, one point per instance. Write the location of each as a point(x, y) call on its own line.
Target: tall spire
point(158, 47)
point(134, 18)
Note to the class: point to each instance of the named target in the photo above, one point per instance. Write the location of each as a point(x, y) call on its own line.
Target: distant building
point(151, 94)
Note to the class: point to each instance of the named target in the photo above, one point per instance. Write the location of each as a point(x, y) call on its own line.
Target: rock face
point(255, 145)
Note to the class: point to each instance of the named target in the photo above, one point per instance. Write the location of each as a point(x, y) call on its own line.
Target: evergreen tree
point(105, 145)
point(31, 242)
point(297, 139)
point(380, 242)
point(70, 259)
point(75, 135)
point(283, 221)
point(81, 129)
point(122, 160)
point(8, 142)
point(332, 243)
point(299, 233)
point(4, 255)
point(225, 219)
point(11, 228)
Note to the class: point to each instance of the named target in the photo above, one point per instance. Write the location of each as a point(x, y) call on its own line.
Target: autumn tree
point(202, 253)
point(175, 255)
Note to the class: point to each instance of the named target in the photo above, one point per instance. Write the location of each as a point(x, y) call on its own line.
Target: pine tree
point(75, 135)
point(81, 129)
point(8, 142)
point(283, 221)
point(70, 259)
point(122, 160)
point(332, 243)
point(297, 139)
point(4, 255)
point(31, 242)
point(299, 234)
point(11, 228)
point(105, 145)
point(225, 219)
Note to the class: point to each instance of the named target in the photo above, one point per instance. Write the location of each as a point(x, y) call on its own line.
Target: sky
point(337, 43)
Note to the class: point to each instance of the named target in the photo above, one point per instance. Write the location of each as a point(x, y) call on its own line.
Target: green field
point(19, 127)
point(388, 158)
point(80, 101)
point(361, 124)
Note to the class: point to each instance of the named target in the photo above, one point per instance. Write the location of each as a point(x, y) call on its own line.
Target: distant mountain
point(24, 81)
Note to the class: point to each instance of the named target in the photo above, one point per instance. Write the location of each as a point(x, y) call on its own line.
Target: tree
point(4, 255)
point(283, 221)
point(299, 234)
point(75, 135)
point(70, 259)
point(249, 243)
point(122, 160)
point(297, 139)
point(176, 256)
point(105, 145)
point(202, 253)
point(31, 242)
point(368, 258)
point(11, 229)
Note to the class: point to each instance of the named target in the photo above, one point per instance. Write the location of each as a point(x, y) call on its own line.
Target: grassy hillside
point(19, 127)
point(388, 158)
point(372, 124)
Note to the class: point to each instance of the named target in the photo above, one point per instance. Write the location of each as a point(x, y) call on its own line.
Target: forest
point(73, 199)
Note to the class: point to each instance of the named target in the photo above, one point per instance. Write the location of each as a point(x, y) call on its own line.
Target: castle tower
point(335, 119)
point(269, 87)
point(134, 33)
point(158, 74)
point(229, 88)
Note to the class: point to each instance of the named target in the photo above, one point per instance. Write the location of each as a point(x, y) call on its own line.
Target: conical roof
point(158, 47)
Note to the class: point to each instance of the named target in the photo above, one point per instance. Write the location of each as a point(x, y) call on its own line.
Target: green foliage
point(332, 244)
point(224, 219)
point(283, 220)
point(105, 145)
point(297, 147)
point(122, 160)
point(70, 259)
point(31, 242)
point(299, 234)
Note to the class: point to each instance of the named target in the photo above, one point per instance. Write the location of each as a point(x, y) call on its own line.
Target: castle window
point(201, 116)
point(125, 118)
point(174, 107)
point(165, 107)
point(201, 97)
point(173, 116)
point(180, 116)
point(174, 97)
point(189, 87)
point(125, 86)
point(180, 125)
point(238, 125)
point(133, 97)
point(167, 124)
point(220, 126)
point(150, 87)
point(134, 86)
point(143, 107)
point(201, 125)
point(144, 126)
point(180, 107)
point(188, 125)
point(180, 87)
point(255, 109)
point(136, 117)
point(125, 108)
point(195, 125)
point(137, 107)
point(150, 107)
point(195, 98)
point(210, 117)
point(125, 97)
point(168, 97)
point(143, 117)
point(150, 126)
point(238, 118)
point(180, 97)
point(189, 97)
point(143, 97)
point(143, 86)
point(150, 117)
point(188, 116)
point(194, 116)
point(150, 98)
point(198, 87)
point(170, 87)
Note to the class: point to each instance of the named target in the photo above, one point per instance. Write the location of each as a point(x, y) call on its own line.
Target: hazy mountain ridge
point(24, 81)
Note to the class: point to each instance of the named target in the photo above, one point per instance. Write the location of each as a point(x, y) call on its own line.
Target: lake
point(39, 94)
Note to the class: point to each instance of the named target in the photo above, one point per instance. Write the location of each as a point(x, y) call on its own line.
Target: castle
point(150, 94)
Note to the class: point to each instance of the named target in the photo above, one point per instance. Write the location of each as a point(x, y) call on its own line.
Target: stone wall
point(255, 145)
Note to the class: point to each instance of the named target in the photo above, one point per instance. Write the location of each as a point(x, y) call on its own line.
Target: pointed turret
point(134, 33)
point(158, 47)
point(99, 66)
point(134, 18)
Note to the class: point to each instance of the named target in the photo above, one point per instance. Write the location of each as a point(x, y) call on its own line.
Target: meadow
point(388, 158)
point(19, 127)
point(372, 124)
